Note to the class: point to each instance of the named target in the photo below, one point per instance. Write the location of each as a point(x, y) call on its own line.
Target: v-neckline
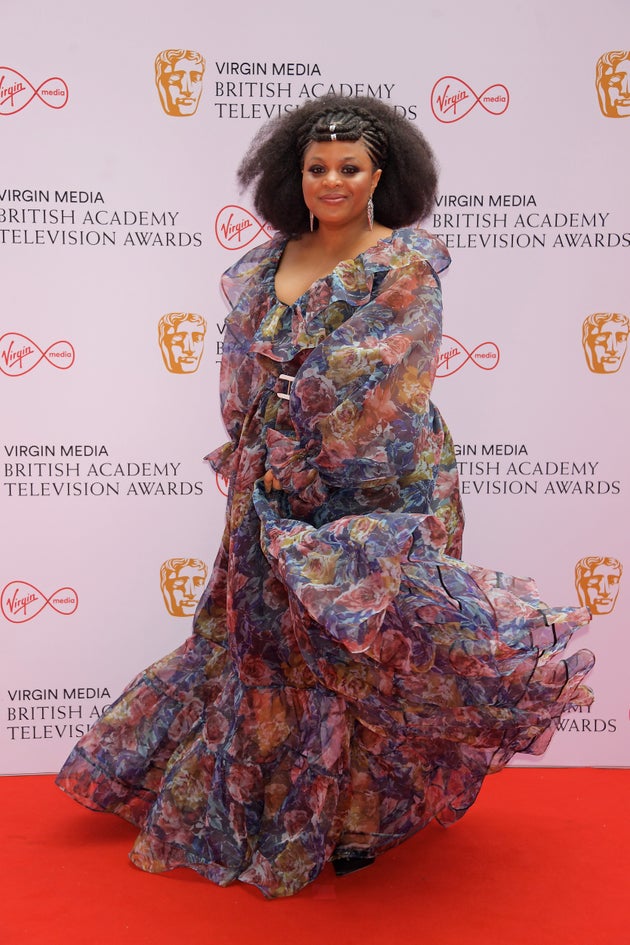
point(324, 278)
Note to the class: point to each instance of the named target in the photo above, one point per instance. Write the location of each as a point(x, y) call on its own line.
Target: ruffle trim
point(471, 651)
point(285, 330)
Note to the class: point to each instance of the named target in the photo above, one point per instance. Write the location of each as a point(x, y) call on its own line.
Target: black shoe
point(343, 865)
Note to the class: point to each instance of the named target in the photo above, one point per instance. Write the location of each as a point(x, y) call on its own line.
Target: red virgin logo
point(16, 92)
point(452, 99)
point(222, 484)
point(453, 356)
point(235, 227)
point(21, 601)
point(19, 354)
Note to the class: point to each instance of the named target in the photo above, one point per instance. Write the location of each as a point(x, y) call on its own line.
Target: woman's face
point(338, 178)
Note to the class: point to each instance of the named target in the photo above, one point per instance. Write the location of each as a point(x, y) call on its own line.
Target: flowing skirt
point(411, 676)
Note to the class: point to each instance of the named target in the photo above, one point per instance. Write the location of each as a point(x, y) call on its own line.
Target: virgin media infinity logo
point(16, 92)
point(222, 484)
point(21, 601)
point(236, 227)
point(454, 356)
point(19, 355)
point(452, 99)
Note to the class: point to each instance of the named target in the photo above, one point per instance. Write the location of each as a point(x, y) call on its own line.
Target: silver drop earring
point(370, 213)
point(311, 219)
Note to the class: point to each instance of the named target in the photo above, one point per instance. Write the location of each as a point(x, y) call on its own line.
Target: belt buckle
point(289, 380)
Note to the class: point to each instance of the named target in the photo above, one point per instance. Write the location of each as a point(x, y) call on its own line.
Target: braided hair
point(273, 164)
point(349, 123)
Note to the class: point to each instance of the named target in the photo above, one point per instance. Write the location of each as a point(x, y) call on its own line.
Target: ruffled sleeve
point(246, 286)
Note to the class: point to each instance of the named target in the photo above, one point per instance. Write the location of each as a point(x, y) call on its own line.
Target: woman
point(349, 679)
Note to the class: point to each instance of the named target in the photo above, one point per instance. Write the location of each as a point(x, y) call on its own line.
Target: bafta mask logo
point(597, 582)
point(605, 340)
point(612, 80)
point(181, 336)
point(179, 80)
point(182, 580)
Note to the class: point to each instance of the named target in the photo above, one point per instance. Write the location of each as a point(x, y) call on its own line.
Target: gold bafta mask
point(597, 582)
point(612, 80)
point(605, 340)
point(182, 580)
point(181, 338)
point(179, 80)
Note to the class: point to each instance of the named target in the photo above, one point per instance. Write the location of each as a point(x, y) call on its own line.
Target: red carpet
point(542, 857)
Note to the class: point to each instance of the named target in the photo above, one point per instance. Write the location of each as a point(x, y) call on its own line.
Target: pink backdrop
point(118, 209)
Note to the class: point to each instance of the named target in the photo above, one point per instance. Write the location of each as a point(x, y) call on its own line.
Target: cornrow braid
point(347, 124)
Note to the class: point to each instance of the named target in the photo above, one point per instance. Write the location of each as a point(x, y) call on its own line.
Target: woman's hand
point(270, 481)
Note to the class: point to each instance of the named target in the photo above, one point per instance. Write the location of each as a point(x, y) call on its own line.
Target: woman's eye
point(350, 169)
point(316, 169)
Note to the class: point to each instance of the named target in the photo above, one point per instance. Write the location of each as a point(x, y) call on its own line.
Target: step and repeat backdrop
point(121, 127)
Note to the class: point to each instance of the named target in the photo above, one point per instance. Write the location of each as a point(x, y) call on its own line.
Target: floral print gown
point(349, 679)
